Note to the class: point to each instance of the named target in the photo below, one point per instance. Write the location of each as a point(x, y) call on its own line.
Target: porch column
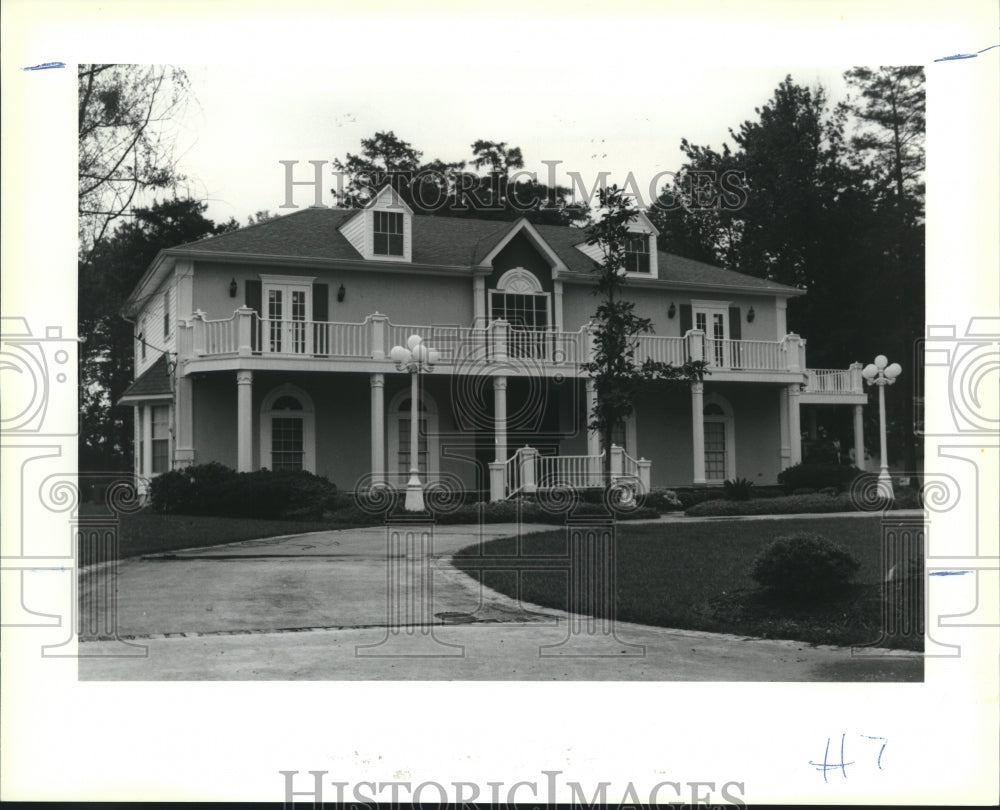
point(147, 440)
point(184, 421)
point(244, 421)
point(377, 382)
point(794, 424)
point(557, 304)
point(698, 430)
point(786, 442)
point(479, 300)
point(593, 439)
point(500, 417)
point(859, 437)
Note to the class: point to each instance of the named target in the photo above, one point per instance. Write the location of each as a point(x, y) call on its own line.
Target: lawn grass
point(697, 576)
point(150, 533)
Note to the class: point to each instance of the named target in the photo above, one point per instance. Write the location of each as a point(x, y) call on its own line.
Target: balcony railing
point(247, 334)
point(834, 381)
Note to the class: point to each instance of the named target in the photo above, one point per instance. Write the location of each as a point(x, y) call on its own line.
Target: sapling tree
point(617, 369)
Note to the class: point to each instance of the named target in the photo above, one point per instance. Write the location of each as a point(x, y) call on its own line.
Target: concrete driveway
point(318, 607)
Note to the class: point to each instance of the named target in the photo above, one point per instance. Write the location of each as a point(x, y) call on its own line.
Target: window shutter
point(320, 314)
point(253, 295)
point(685, 319)
point(321, 302)
point(734, 323)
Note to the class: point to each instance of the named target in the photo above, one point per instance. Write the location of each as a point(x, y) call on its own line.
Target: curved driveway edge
point(314, 607)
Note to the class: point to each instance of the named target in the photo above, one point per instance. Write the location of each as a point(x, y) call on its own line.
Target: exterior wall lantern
point(672, 311)
point(233, 288)
point(417, 359)
point(341, 294)
point(751, 315)
point(880, 373)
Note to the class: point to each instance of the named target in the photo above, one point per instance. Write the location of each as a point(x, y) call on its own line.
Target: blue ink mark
point(827, 765)
point(46, 66)
point(955, 56)
point(885, 742)
point(948, 573)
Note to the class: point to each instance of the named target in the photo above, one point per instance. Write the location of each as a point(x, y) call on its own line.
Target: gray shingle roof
point(154, 381)
point(449, 241)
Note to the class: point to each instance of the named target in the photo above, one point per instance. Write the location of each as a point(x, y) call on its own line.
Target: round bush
point(803, 564)
point(817, 475)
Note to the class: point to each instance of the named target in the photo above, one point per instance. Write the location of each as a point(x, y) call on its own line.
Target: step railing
point(574, 472)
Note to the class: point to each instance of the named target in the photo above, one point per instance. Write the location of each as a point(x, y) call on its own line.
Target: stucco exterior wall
point(406, 297)
point(579, 305)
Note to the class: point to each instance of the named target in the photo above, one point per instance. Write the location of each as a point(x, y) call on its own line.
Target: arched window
point(288, 430)
point(720, 439)
point(398, 444)
point(519, 300)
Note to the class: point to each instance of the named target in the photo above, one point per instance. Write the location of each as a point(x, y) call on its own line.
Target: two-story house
point(269, 347)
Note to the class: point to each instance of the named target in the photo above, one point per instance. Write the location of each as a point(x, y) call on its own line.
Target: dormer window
point(637, 253)
point(388, 234)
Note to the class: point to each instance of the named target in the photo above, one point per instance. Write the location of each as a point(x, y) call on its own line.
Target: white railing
point(246, 332)
point(220, 336)
point(673, 350)
point(832, 381)
point(746, 355)
point(575, 472)
point(512, 474)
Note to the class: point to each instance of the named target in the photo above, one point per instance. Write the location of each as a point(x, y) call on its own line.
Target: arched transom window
point(720, 441)
point(288, 430)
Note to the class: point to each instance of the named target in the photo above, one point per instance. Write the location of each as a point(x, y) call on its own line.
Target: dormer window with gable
point(637, 253)
point(388, 233)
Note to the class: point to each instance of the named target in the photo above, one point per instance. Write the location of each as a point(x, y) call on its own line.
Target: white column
point(500, 417)
point(479, 300)
point(794, 424)
point(184, 421)
point(859, 437)
point(780, 310)
point(593, 437)
point(378, 428)
point(786, 442)
point(698, 430)
point(147, 441)
point(244, 421)
point(557, 304)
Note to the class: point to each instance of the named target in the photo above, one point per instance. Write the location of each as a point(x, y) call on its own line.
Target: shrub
point(193, 490)
point(817, 475)
point(739, 489)
point(786, 505)
point(804, 491)
point(804, 564)
point(663, 500)
point(214, 489)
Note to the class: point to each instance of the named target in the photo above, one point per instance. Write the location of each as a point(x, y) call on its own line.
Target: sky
point(242, 120)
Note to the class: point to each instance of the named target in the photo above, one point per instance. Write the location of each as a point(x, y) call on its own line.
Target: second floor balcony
point(291, 343)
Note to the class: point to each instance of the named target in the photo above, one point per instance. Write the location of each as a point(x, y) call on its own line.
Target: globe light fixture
point(416, 358)
point(881, 373)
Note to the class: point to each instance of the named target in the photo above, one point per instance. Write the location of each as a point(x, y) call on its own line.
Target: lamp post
point(416, 358)
point(880, 373)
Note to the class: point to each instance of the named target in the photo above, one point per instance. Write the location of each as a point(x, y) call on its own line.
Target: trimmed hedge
point(818, 475)
point(804, 565)
point(214, 489)
point(795, 505)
